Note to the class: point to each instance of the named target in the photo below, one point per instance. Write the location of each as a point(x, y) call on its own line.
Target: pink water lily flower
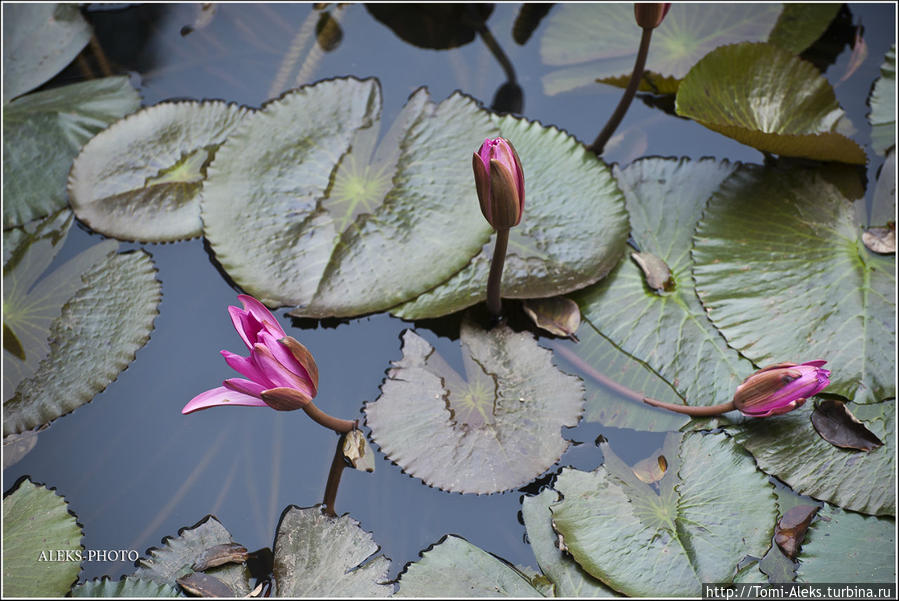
point(280, 372)
point(780, 388)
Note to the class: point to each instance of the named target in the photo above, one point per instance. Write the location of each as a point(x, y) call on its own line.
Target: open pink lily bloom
point(780, 388)
point(280, 372)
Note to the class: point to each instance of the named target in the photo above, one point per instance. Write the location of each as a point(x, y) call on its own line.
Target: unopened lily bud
point(500, 182)
point(649, 15)
point(780, 388)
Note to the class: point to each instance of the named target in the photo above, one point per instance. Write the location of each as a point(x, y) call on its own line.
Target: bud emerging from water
point(500, 183)
point(780, 388)
point(649, 15)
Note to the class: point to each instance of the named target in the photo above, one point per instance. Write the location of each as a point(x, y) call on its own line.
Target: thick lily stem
point(337, 465)
point(494, 302)
point(615, 120)
point(692, 411)
point(341, 426)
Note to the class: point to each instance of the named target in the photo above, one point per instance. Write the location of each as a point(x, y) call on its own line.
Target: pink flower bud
point(500, 182)
point(780, 388)
point(649, 15)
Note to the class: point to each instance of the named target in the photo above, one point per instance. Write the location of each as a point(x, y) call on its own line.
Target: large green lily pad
point(37, 526)
point(322, 556)
point(96, 335)
point(883, 105)
point(712, 509)
point(766, 97)
point(668, 331)
point(42, 133)
point(572, 234)
point(789, 448)
point(496, 428)
point(127, 586)
point(140, 178)
point(808, 287)
point(455, 568)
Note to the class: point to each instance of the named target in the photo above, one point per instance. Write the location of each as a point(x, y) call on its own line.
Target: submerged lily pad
point(768, 98)
point(712, 508)
point(140, 178)
point(789, 448)
point(883, 105)
point(670, 332)
point(127, 586)
point(455, 568)
point(37, 526)
point(321, 556)
point(495, 428)
point(809, 289)
point(44, 131)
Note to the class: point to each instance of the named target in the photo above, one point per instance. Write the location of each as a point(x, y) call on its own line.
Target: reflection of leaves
point(435, 26)
point(836, 424)
point(528, 19)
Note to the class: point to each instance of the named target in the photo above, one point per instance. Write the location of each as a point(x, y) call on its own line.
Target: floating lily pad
point(768, 98)
point(39, 40)
point(455, 568)
point(95, 336)
point(801, 24)
point(321, 556)
point(884, 206)
point(789, 448)
point(495, 428)
point(568, 578)
point(712, 509)
point(140, 178)
point(842, 546)
point(42, 133)
point(567, 239)
point(669, 332)
point(37, 526)
point(808, 288)
point(127, 586)
point(174, 559)
point(883, 105)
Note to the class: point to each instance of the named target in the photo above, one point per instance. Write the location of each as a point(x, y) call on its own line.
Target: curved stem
point(692, 411)
point(600, 143)
point(341, 426)
point(337, 465)
point(497, 52)
point(494, 303)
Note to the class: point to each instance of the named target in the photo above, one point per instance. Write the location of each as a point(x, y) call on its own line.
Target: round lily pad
point(127, 586)
point(38, 529)
point(139, 179)
point(766, 97)
point(808, 287)
point(883, 105)
point(496, 428)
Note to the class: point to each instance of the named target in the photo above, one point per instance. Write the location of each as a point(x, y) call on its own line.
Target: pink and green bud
point(650, 15)
point(780, 388)
point(500, 183)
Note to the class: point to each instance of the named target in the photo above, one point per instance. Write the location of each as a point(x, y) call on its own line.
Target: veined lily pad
point(455, 568)
point(95, 336)
point(808, 288)
point(42, 133)
point(713, 508)
point(573, 231)
point(800, 24)
point(883, 105)
point(496, 428)
point(789, 448)
point(140, 178)
point(669, 332)
point(37, 531)
point(321, 556)
point(39, 40)
point(127, 586)
point(768, 98)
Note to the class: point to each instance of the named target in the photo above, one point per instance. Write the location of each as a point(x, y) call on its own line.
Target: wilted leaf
point(790, 530)
point(357, 451)
point(652, 468)
point(558, 315)
point(219, 555)
point(657, 274)
point(204, 585)
point(127, 586)
point(836, 424)
point(881, 240)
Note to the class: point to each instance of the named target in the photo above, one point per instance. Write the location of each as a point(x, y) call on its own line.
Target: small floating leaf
point(651, 469)
point(836, 424)
point(883, 105)
point(127, 586)
point(204, 585)
point(357, 451)
point(557, 315)
point(881, 240)
point(790, 530)
point(220, 555)
point(656, 272)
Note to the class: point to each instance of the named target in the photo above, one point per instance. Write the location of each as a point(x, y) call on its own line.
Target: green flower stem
point(494, 303)
point(337, 465)
point(341, 426)
point(692, 411)
point(615, 120)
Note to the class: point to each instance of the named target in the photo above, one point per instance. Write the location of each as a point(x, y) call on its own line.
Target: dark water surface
point(134, 469)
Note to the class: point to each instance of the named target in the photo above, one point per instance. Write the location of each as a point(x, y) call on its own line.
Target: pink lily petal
point(283, 355)
point(262, 315)
point(245, 366)
point(221, 396)
point(244, 386)
point(280, 376)
point(246, 325)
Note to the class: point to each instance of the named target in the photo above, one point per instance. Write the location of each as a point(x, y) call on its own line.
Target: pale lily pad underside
point(789, 448)
point(497, 428)
point(883, 105)
point(768, 98)
point(808, 287)
point(140, 178)
point(669, 332)
point(712, 509)
point(321, 556)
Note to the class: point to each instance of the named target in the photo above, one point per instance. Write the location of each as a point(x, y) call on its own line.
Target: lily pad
point(566, 239)
point(842, 546)
point(496, 428)
point(37, 526)
point(883, 105)
point(140, 178)
point(174, 559)
point(789, 448)
point(669, 332)
point(884, 205)
point(801, 24)
point(127, 586)
point(768, 98)
point(42, 133)
point(95, 336)
point(455, 568)
point(321, 556)
point(39, 40)
point(809, 289)
point(713, 508)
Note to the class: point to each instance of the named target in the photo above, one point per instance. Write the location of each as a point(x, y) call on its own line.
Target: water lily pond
point(412, 421)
